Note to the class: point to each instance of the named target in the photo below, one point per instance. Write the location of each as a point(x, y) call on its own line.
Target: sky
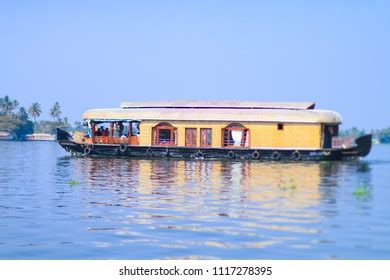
point(95, 54)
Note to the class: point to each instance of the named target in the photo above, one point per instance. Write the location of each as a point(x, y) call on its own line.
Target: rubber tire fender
point(199, 154)
point(296, 156)
point(149, 152)
point(87, 150)
point(123, 147)
point(255, 155)
point(276, 156)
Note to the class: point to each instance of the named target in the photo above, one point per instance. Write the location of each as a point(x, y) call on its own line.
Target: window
point(191, 137)
point(164, 134)
point(205, 137)
point(135, 131)
point(280, 126)
point(235, 135)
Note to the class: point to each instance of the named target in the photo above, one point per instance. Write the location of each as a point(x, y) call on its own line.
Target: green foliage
point(384, 135)
point(287, 184)
point(23, 128)
point(361, 191)
point(19, 127)
point(352, 132)
point(12, 121)
point(73, 183)
point(49, 126)
point(15, 119)
point(35, 111)
point(7, 105)
point(55, 111)
point(78, 126)
point(22, 114)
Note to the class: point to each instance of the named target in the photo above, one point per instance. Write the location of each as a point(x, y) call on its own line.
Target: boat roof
point(214, 104)
point(214, 114)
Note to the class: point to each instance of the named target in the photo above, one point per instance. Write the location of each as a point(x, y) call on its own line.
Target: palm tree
point(22, 114)
point(1, 105)
point(55, 111)
point(35, 111)
point(7, 105)
point(14, 104)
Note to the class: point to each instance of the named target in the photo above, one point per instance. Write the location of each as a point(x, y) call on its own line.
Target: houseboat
point(41, 137)
point(5, 136)
point(215, 130)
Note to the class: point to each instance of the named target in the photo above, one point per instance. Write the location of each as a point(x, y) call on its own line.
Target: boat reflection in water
point(215, 209)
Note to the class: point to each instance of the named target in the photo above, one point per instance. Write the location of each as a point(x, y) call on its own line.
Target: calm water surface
point(53, 206)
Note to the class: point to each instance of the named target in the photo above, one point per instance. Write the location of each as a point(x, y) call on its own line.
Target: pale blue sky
point(91, 54)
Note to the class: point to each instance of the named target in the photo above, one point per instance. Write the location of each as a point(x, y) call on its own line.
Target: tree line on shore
point(381, 135)
point(15, 119)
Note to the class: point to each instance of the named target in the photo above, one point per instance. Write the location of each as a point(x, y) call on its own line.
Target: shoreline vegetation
point(17, 122)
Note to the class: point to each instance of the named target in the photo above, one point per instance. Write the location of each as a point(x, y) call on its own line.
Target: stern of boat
point(361, 147)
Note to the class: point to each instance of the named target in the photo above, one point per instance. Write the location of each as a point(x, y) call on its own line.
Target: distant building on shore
point(41, 137)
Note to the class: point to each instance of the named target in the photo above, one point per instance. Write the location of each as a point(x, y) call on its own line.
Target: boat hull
point(361, 149)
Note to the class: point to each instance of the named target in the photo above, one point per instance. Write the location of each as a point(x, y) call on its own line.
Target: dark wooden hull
point(361, 149)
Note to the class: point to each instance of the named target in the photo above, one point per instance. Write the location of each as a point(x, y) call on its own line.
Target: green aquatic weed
point(73, 183)
point(288, 185)
point(361, 191)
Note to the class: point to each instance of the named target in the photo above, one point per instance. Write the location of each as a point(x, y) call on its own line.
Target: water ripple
point(180, 209)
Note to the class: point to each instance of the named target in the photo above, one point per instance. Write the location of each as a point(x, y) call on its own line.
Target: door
point(330, 131)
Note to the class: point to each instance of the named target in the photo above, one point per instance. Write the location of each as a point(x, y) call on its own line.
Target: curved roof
point(209, 104)
point(215, 114)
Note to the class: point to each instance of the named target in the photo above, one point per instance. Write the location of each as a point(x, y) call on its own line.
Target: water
point(53, 206)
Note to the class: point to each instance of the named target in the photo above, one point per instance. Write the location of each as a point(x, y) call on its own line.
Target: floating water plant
point(288, 185)
point(361, 191)
point(73, 183)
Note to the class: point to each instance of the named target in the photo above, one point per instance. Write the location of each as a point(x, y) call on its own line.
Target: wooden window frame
point(235, 127)
point(192, 142)
point(156, 135)
point(211, 137)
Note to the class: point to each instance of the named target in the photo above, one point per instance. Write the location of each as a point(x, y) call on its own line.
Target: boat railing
point(165, 142)
point(234, 144)
point(343, 142)
point(110, 140)
point(113, 140)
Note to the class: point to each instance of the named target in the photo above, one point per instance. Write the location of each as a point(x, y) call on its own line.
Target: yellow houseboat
point(215, 129)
